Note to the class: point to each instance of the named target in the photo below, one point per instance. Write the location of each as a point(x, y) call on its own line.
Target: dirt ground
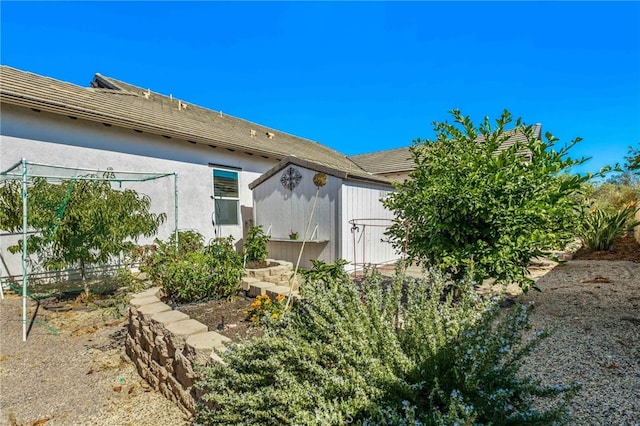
point(624, 248)
point(72, 370)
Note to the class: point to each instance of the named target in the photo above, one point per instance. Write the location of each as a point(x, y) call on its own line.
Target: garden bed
point(624, 248)
point(225, 317)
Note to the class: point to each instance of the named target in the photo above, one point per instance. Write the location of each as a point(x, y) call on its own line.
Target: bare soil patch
point(226, 317)
point(625, 248)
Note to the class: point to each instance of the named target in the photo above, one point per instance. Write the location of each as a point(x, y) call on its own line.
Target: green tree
point(633, 160)
point(472, 206)
point(81, 223)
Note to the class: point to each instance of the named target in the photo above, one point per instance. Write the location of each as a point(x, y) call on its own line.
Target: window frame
point(217, 198)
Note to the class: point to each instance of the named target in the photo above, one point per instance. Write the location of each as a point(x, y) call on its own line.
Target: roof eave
point(320, 168)
point(91, 115)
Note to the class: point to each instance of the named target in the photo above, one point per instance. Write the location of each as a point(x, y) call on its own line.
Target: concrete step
point(246, 282)
point(259, 288)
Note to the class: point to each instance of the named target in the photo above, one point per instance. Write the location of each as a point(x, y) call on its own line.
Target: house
point(232, 172)
point(217, 157)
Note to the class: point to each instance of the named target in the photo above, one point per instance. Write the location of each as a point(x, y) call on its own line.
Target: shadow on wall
point(246, 213)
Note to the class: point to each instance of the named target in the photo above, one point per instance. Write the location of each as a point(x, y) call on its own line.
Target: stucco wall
point(48, 138)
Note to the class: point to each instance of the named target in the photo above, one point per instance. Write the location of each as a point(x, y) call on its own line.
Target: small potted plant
point(293, 235)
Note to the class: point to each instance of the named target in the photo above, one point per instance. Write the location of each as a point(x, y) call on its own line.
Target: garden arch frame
point(26, 171)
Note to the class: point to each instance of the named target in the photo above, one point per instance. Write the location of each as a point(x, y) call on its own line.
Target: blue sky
point(358, 77)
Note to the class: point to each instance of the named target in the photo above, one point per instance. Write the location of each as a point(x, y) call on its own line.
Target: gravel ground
point(81, 376)
point(594, 309)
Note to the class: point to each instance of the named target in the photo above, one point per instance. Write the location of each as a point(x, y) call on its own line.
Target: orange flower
point(279, 297)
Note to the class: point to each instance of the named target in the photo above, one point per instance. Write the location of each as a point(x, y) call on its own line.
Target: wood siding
point(364, 221)
point(280, 211)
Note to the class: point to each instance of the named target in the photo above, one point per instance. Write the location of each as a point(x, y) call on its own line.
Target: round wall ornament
point(290, 178)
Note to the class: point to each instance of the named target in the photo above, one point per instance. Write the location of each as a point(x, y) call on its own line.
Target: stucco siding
point(46, 138)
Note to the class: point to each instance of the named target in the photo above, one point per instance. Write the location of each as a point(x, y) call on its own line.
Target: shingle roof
point(400, 160)
point(118, 103)
point(387, 161)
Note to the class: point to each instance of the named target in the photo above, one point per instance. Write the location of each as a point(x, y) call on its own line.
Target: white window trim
point(214, 197)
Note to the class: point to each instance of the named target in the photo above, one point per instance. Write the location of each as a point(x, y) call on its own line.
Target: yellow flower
point(274, 316)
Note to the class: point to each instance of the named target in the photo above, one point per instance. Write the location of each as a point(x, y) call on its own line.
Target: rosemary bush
point(382, 353)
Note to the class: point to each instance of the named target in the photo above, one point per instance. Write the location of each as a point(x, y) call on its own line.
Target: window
point(226, 197)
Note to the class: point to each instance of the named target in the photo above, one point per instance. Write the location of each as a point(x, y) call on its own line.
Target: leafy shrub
point(189, 279)
point(155, 259)
point(189, 271)
point(612, 196)
point(264, 308)
point(337, 360)
point(226, 264)
point(322, 272)
point(601, 227)
point(255, 247)
point(469, 207)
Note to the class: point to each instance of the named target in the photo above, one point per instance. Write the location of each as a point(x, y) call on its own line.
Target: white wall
point(48, 138)
point(280, 210)
point(361, 205)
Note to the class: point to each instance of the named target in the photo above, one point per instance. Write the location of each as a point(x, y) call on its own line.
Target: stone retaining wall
point(165, 344)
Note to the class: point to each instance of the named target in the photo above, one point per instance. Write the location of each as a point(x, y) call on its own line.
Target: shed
point(345, 218)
